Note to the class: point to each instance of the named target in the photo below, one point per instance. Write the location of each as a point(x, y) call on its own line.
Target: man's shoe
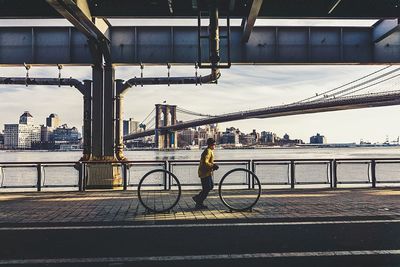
point(195, 199)
point(201, 206)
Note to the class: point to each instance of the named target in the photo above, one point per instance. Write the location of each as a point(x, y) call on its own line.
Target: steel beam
point(250, 20)
point(384, 28)
point(154, 45)
point(80, 17)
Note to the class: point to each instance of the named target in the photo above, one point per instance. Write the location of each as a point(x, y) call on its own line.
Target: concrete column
point(97, 112)
point(109, 112)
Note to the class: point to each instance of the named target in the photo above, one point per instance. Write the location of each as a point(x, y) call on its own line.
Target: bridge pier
point(165, 139)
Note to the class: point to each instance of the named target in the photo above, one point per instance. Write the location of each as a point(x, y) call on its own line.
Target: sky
point(239, 88)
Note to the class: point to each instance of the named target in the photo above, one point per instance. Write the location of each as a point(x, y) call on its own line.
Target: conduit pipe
point(44, 81)
point(83, 87)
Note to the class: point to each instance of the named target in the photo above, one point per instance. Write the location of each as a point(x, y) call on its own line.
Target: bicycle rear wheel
point(159, 190)
point(239, 189)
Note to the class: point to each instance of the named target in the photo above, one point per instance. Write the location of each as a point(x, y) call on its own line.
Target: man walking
point(205, 171)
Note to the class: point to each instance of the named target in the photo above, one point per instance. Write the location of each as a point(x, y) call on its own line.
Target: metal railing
point(283, 172)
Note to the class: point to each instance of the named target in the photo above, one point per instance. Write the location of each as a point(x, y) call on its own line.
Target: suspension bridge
point(379, 88)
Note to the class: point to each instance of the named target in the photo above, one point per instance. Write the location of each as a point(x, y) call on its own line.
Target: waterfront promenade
point(302, 227)
point(124, 207)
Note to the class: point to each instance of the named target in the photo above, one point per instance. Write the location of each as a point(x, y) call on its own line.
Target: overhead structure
point(188, 8)
point(249, 21)
point(94, 42)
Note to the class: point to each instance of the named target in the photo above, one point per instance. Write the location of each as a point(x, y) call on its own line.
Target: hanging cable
point(145, 119)
point(27, 67)
point(339, 87)
point(59, 66)
point(387, 79)
point(362, 84)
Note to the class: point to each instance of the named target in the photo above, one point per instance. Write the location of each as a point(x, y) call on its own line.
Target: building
point(268, 138)
point(318, 139)
point(187, 137)
point(53, 121)
point(130, 126)
point(45, 133)
point(21, 135)
point(230, 136)
point(63, 134)
point(1, 141)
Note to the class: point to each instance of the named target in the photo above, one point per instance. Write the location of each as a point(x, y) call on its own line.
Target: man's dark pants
point(207, 185)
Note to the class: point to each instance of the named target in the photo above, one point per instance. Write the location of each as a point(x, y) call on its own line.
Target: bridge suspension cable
point(324, 94)
point(146, 120)
point(189, 112)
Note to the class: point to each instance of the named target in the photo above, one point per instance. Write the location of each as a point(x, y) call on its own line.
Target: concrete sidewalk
point(124, 207)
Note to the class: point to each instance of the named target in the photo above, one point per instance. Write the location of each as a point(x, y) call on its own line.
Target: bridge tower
point(165, 116)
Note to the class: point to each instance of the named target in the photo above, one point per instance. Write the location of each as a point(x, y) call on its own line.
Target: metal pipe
point(43, 81)
point(119, 109)
point(214, 38)
point(137, 81)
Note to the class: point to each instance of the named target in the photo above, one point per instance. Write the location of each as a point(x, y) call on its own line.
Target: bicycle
point(162, 196)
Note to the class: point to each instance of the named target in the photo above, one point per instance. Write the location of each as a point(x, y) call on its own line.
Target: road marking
point(96, 227)
point(336, 253)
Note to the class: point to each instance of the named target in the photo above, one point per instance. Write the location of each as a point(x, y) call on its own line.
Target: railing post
point(292, 174)
point(80, 177)
point(373, 173)
point(331, 173)
point(167, 167)
point(39, 177)
point(334, 172)
point(125, 176)
point(253, 170)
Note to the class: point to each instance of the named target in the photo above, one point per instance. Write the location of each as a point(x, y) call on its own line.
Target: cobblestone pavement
point(124, 207)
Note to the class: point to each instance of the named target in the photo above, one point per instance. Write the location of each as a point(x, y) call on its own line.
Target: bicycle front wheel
point(239, 189)
point(159, 191)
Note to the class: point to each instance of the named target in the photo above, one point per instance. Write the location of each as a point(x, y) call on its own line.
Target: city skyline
point(240, 88)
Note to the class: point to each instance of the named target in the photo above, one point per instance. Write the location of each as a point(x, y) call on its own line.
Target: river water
point(220, 154)
point(268, 173)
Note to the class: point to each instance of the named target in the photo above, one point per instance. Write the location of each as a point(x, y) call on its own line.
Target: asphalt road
point(320, 243)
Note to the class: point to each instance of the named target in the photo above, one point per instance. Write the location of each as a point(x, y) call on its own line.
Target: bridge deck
point(123, 207)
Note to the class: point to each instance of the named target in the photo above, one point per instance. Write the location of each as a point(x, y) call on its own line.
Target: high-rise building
point(45, 133)
point(268, 137)
point(66, 134)
point(318, 139)
point(130, 126)
point(1, 141)
point(230, 136)
point(53, 121)
point(186, 137)
point(21, 135)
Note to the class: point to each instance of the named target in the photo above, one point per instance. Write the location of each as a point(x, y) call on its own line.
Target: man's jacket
point(206, 163)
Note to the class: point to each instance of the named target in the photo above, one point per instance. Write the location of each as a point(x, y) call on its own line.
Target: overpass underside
point(179, 44)
point(94, 42)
